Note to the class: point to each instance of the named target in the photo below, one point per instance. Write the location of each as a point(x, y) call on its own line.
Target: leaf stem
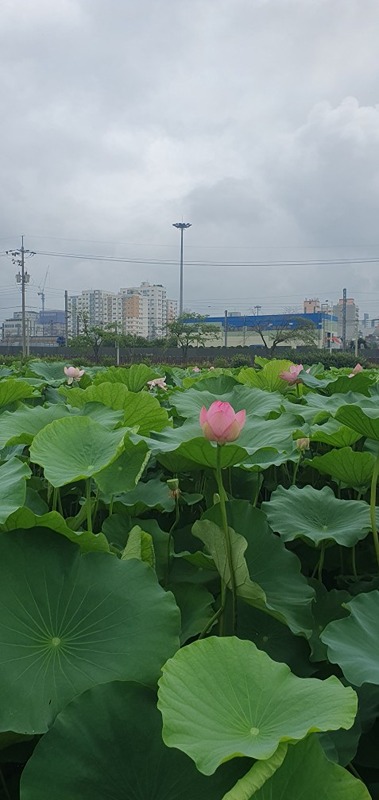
point(55, 499)
point(374, 529)
point(89, 505)
point(228, 545)
point(321, 562)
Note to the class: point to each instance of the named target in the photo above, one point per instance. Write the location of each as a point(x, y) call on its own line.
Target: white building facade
point(137, 310)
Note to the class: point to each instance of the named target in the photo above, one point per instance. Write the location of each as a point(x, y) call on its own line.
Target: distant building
point(352, 315)
point(243, 330)
point(312, 306)
point(93, 308)
point(41, 327)
point(156, 296)
point(139, 310)
point(171, 310)
point(134, 308)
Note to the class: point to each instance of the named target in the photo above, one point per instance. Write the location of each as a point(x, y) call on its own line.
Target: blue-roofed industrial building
point(244, 330)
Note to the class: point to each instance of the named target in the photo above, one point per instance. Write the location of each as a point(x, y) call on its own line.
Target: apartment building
point(134, 313)
point(93, 307)
point(138, 310)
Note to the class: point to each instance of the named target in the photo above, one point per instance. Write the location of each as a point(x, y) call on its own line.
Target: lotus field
point(189, 592)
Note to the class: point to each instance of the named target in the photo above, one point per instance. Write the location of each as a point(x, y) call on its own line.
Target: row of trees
point(196, 333)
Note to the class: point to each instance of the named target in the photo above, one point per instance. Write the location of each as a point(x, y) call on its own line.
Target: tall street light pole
point(181, 226)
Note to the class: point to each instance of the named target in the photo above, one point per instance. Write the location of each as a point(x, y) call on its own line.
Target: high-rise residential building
point(156, 296)
point(93, 307)
point(134, 313)
point(171, 310)
point(140, 310)
point(352, 316)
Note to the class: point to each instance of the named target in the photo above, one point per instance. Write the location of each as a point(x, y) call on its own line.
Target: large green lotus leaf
point(123, 474)
point(222, 697)
point(141, 410)
point(268, 377)
point(26, 518)
point(106, 416)
point(254, 401)
point(13, 476)
point(134, 377)
point(320, 402)
point(346, 465)
point(353, 642)
point(190, 446)
point(70, 621)
point(365, 422)
point(269, 565)
point(75, 448)
point(213, 537)
point(153, 494)
point(51, 371)
point(196, 607)
point(307, 773)
point(107, 743)
point(317, 515)
point(13, 389)
point(187, 446)
point(360, 383)
point(20, 426)
point(335, 434)
point(216, 384)
point(117, 528)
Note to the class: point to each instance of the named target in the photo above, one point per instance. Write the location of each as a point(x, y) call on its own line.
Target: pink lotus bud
point(196, 369)
point(73, 374)
point(220, 423)
point(357, 368)
point(303, 444)
point(159, 382)
point(292, 374)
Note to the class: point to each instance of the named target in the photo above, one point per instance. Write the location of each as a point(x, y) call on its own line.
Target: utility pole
point(66, 316)
point(182, 227)
point(41, 294)
point(344, 304)
point(225, 329)
point(18, 258)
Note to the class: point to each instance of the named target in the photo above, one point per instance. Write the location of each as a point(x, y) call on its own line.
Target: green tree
point(191, 330)
point(292, 329)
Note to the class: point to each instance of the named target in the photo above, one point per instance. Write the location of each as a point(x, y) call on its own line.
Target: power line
point(203, 263)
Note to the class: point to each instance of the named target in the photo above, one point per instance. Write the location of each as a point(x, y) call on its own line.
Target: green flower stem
point(374, 529)
point(89, 504)
point(354, 561)
point(169, 540)
point(296, 469)
point(321, 562)
point(55, 499)
point(228, 546)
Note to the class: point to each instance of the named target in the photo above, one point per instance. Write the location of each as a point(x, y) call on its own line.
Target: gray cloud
point(257, 120)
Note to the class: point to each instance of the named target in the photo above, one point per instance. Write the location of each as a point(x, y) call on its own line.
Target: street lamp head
point(181, 225)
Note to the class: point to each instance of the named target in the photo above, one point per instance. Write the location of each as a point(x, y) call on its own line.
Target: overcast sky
point(255, 120)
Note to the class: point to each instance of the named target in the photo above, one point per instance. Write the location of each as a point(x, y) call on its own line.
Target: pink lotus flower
point(220, 423)
point(196, 369)
point(73, 374)
point(159, 382)
point(292, 374)
point(357, 368)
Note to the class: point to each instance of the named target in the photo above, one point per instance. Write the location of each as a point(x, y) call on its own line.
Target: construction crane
point(41, 294)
